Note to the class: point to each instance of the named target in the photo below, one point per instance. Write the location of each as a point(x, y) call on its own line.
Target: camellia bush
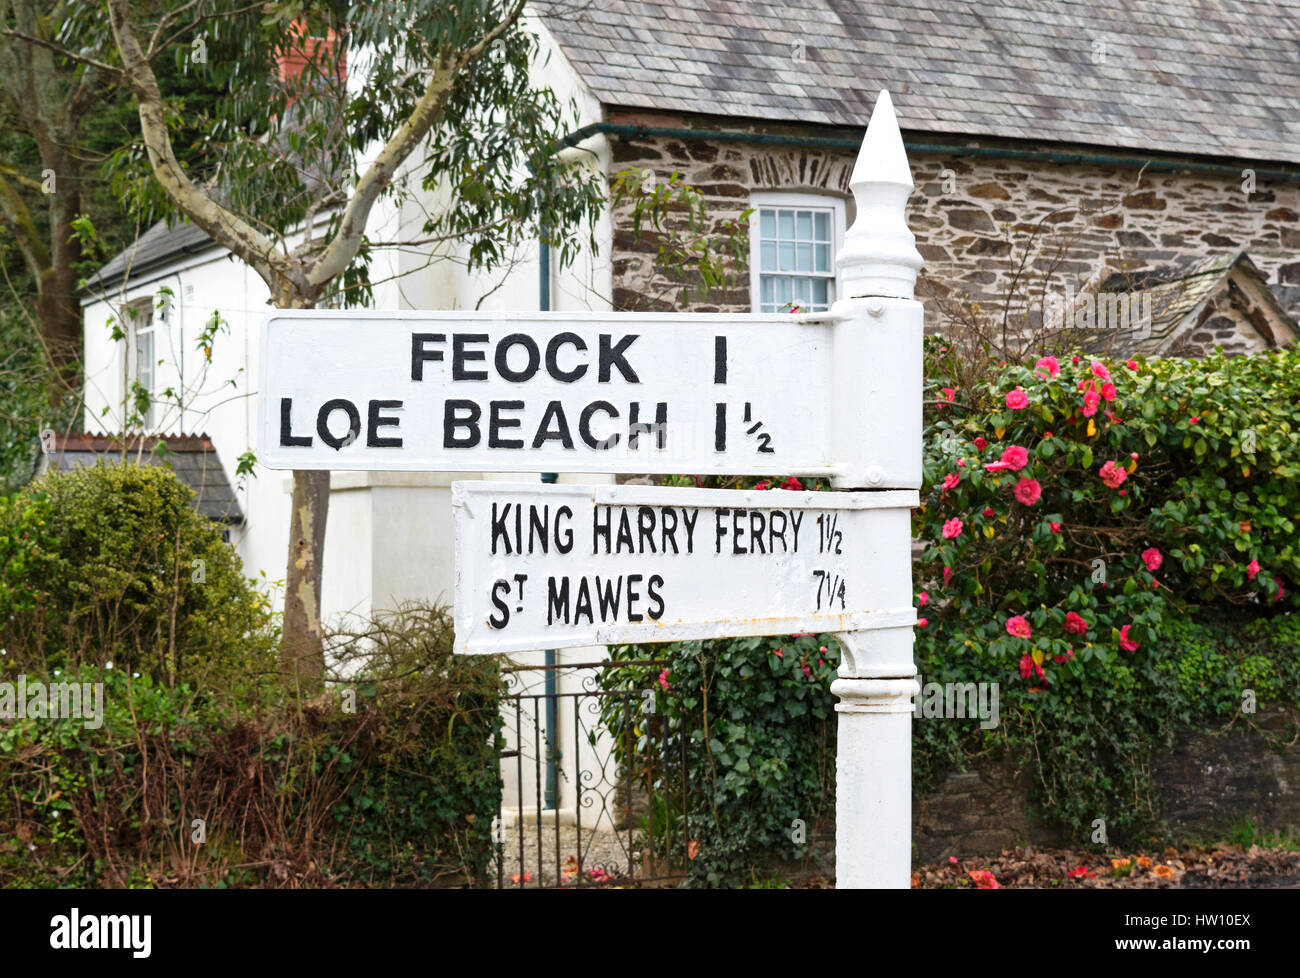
point(1071, 507)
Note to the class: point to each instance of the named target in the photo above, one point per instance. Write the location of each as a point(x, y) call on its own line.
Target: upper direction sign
point(530, 392)
point(557, 566)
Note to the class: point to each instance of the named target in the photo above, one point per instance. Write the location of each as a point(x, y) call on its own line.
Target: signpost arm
point(877, 439)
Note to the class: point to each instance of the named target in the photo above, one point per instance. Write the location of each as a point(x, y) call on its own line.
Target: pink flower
point(950, 481)
point(1083, 871)
point(1280, 589)
point(1100, 370)
point(779, 653)
point(792, 483)
point(951, 529)
point(1195, 419)
point(1131, 364)
point(1126, 643)
point(1016, 457)
point(1075, 624)
point(961, 463)
point(1074, 359)
point(1026, 666)
point(1152, 559)
point(762, 485)
point(1056, 527)
point(923, 599)
point(1069, 654)
point(988, 510)
point(984, 880)
point(1108, 392)
point(1018, 626)
point(1049, 363)
point(1252, 569)
point(1017, 399)
point(1113, 475)
point(953, 860)
point(949, 394)
point(996, 466)
point(947, 576)
point(1091, 401)
point(981, 444)
point(807, 672)
point(921, 623)
point(663, 679)
point(1028, 491)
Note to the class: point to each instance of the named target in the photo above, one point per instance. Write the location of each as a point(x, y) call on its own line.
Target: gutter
point(634, 132)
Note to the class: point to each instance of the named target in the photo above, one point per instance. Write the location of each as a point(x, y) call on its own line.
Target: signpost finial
point(879, 257)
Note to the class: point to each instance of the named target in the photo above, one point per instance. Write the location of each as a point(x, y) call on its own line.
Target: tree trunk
point(302, 652)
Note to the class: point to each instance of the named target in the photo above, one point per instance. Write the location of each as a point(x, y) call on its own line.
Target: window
point(142, 331)
point(793, 241)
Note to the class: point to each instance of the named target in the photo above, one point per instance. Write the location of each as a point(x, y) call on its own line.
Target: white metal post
point(877, 434)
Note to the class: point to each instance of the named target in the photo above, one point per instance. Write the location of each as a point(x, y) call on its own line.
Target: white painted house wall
point(389, 535)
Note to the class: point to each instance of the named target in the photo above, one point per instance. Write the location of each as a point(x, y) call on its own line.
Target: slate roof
point(1192, 77)
point(191, 457)
point(1177, 292)
point(159, 243)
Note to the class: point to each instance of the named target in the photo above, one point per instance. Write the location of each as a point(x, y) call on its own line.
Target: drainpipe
point(552, 756)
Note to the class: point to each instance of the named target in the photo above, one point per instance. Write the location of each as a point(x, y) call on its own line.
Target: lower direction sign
point(556, 566)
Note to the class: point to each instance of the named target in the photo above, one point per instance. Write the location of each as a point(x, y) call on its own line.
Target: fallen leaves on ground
point(1196, 867)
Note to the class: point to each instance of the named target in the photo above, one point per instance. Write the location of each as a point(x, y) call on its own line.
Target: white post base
point(873, 765)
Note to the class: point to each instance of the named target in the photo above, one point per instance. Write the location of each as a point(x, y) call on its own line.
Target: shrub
point(114, 563)
point(291, 793)
point(760, 727)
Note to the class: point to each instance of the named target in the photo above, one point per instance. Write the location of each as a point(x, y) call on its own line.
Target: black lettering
point(584, 425)
point(496, 423)
point(690, 516)
point(557, 600)
point(598, 530)
point(612, 356)
point(633, 596)
point(377, 421)
point(720, 427)
point(552, 357)
point(286, 435)
point(609, 596)
point(503, 358)
point(537, 527)
point(757, 524)
point(460, 356)
point(659, 429)
point(563, 538)
point(718, 529)
point(323, 428)
point(736, 516)
point(796, 518)
point(582, 606)
point(719, 359)
point(499, 527)
point(561, 433)
point(645, 528)
point(419, 354)
point(452, 419)
point(773, 534)
point(502, 617)
point(656, 609)
point(668, 533)
point(624, 544)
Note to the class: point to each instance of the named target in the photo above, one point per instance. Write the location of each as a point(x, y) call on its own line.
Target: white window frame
point(139, 329)
point(767, 200)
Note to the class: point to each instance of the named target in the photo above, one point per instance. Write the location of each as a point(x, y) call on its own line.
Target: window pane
point(803, 290)
point(765, 289)
point(823, 226)
point(787, 256)
point(783, 292)
point(803, 224)
point(819, 293)
point(767, 261)
point(785, 223)
point(767, 224)
point(805, 257)
point(823, 258)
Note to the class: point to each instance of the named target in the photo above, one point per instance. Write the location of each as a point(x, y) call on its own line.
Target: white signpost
point(836, 394)
point(564, 566)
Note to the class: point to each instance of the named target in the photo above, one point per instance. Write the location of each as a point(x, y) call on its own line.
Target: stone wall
point(976, 219)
